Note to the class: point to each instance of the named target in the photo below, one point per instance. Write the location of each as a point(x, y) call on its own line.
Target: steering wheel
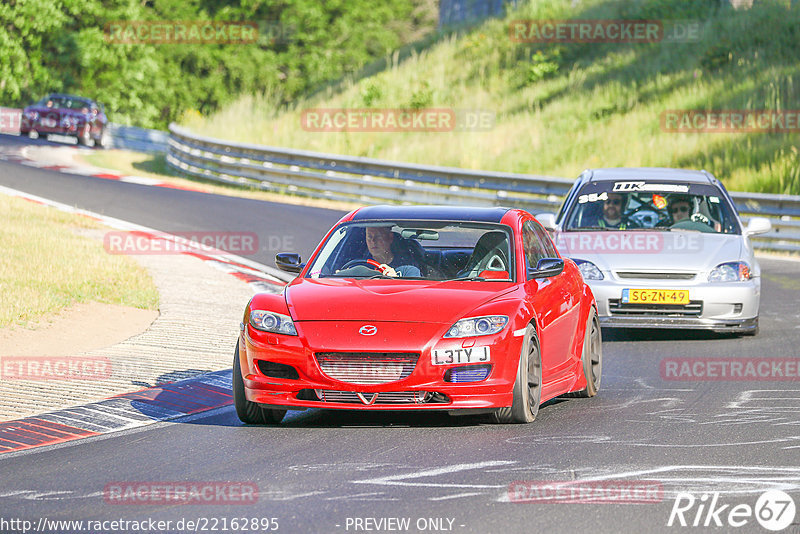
point(699, 217)
point(372, 264)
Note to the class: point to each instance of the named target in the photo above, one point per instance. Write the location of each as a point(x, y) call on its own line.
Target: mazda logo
point(368, 330)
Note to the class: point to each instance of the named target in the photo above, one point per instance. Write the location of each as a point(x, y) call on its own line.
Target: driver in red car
point(387, 250)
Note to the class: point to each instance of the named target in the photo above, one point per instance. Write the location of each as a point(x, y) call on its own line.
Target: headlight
point(69, 121)
point(272, 322)
point(733, 271)
point(477, 326)
point(589, 270)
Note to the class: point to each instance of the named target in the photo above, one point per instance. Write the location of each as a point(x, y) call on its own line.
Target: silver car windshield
point(651, 205)
point(427, 250)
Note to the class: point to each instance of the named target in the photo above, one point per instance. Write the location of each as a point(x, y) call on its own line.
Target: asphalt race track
point(329, 471)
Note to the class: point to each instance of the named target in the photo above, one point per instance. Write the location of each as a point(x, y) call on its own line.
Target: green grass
point(47, 265)
point(561, 108)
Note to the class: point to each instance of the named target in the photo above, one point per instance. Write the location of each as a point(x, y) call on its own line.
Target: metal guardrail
point(372, 181)
point(138, 139)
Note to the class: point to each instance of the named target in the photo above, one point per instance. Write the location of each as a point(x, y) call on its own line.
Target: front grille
point(693, 309)
point(367, 367)
point(641, 275)
point(388, 397)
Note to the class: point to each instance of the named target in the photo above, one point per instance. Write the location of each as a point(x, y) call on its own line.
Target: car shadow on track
point(652, 334)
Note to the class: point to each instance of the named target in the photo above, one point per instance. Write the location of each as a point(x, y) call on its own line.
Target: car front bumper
point(426, 379)
point(720, 307)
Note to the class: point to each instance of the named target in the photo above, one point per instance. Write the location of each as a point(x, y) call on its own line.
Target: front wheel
point(250, 412)
point(528, 385)
point(591, 357)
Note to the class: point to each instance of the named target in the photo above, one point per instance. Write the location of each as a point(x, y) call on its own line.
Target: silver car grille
point(693, 309)
point(367, 367)
point(642, 275)
point(387, 397)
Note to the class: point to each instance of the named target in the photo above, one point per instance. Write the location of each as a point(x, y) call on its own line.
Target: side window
point(547, 243)
point(532, 246)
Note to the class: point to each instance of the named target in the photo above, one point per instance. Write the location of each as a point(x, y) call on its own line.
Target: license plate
point(48, 122)
point(461, 355)
point(655, 296)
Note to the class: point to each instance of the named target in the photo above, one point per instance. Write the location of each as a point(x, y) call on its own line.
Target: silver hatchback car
point(661, 248)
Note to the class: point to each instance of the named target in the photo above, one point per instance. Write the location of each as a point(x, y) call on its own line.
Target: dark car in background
point(69, 115)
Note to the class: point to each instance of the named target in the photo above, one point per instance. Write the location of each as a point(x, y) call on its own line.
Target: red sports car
point(71, 115)
point(464, 310)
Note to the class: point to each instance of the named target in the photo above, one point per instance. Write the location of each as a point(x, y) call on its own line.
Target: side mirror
point(546, 268)
point(757, 225)
point(548, 220)
point(289, 262)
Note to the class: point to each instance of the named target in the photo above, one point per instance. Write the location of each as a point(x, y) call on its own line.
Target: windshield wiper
point(466, 278)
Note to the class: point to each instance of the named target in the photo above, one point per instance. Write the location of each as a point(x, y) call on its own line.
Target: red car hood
point(336, 299)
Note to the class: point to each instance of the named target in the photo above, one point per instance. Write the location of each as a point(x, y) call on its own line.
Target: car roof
point(649, 173)
point(73, 97)
point(431, 213)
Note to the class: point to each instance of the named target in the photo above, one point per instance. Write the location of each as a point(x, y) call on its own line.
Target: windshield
point(61, 102)
point(421, 250)
point(651, 205)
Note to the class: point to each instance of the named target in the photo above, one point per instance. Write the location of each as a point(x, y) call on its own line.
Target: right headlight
point(272, 322)
point(732, 271)
point(589, 270)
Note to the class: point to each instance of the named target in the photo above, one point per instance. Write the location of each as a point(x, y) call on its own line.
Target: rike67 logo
point(774, 510)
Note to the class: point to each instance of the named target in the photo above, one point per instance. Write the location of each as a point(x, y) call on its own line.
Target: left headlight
point(733, 271)
point(272, 322)
point(477, 326)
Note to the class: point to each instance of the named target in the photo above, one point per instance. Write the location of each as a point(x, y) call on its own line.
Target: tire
point(104, 139)
point(591, 358)
point(86, 138)
point(528, 385)
point(250, 412)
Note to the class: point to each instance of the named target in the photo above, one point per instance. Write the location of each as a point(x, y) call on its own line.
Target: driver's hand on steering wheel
point(388, 271)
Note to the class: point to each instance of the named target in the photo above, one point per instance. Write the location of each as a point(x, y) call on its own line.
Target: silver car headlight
point(732, 271)
point(272, 322)
point(589, 270)
point(477, 326)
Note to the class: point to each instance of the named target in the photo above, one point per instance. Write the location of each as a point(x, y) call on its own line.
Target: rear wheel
point(85, 137)
point(528, 385)
point(250, 412)
point(591, 357)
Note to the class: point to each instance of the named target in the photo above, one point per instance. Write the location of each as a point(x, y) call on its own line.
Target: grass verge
point(46, 265)
point(562, 107)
